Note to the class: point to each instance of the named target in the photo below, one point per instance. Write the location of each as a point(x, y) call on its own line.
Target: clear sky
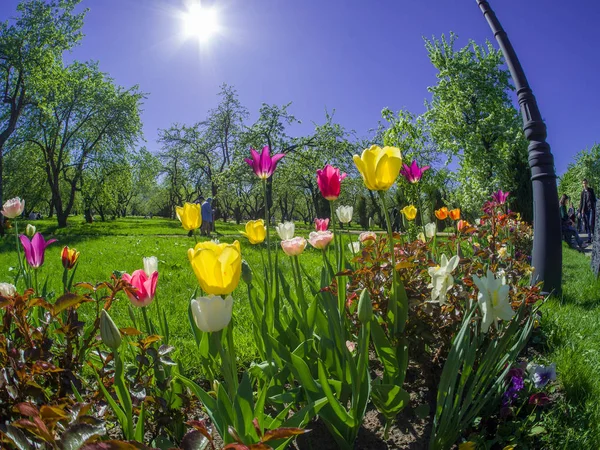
point(354, 56)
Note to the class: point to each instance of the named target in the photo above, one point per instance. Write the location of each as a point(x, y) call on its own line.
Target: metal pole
point(547, 245)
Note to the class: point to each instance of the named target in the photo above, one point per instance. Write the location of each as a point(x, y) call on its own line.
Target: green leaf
point(139, 428)
point(389, 399)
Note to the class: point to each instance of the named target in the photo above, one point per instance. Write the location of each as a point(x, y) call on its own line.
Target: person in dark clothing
point(587, 209)
point(396, 220)
point(568, 227)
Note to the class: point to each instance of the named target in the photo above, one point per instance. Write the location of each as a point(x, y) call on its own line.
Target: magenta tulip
point(329, 180)
point(263, 164)
point(35, 249)
point(145, 287)
point(414, 173)
point(500, 197)
point(321, 224)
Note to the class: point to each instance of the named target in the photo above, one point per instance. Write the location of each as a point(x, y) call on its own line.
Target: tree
point(586, 165)
point(31, 49)
point(471, 117)
point(85, 118)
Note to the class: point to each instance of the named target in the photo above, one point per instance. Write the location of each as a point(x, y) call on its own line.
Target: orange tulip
point(441, 213)
point(462, 224)
point(454, 214)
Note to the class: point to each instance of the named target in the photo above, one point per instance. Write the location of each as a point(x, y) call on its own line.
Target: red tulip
point(145, 287)
point(329, 180)
point(35, 249)
point(263, 164)
point(321, 224)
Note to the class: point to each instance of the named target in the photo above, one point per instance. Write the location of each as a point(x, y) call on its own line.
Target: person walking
point(207, 217)
point(567, 225)
point(587, 209)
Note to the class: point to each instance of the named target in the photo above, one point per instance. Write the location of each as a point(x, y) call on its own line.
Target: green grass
point(121, 244)
point(572, 327)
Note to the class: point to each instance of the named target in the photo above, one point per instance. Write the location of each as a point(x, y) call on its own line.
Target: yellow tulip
point(255, 231)
point(189, 216)
point(379, 167)
point(218, 267)
point(469, 445)
point(410, 212)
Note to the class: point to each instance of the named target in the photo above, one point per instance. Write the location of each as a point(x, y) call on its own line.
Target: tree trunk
point(61, 217)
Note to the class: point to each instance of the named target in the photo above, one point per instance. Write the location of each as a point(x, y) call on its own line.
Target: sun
point(200, 22)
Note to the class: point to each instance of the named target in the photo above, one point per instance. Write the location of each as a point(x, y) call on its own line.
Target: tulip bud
point(365, 307)
point(69, 257)
point(30, 230)
point(246, 272)
point(7, 289)
point(110, 334)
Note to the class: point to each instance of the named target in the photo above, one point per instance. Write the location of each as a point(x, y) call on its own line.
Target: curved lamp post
point(547, 245)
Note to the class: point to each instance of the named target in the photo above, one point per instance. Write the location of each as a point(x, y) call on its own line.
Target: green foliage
point(586, 165)
point(471, 117)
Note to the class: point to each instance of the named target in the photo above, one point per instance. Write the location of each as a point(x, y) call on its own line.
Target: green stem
point(336, 241)
point(35, 277)
point(146, 321)
point(268, 232)
point(21, 269)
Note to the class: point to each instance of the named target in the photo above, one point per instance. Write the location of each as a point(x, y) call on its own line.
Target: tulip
point(430, 230)
point(410, 212)
point(442, 279)
point(454, 214)
point(329, 180)
point(354, 247)
point(493, 300)
point(109, 333)
point(218, 267)
point(69, 257)
point(367, 237)
point(255, 231)
point(462, 224)
point(294, 246)
point(30, 230)
point(7, 289)
point(13, 208)
point(469, 445)
point(321, 224)
point(441, 213)
point(189, 215)
point(285, 230)
point(344, 213)
point(145, 287)
point(500, 197)
point(421, 237)
point(379, 167)
point(150, 265)
point(320, 239)
point(212, 313)
point(414, 173)
point(35, 249)
point(263, 165)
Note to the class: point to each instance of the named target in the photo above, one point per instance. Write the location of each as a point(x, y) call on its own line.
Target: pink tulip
point(414, 173)
point(35, 249)
point(13, 208)
point(320, 239)
point(263, 164)
point(321, 224)
point(367, 237)
point(500, 197)
point(329, 180)
point(294, 246)
point(145, 287)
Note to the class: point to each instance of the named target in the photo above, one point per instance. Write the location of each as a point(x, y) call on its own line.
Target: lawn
point(120, 245)
point(572, 328)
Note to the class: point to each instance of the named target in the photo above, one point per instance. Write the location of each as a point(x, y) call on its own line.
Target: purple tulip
point(263, 164)
point(34, 249)
point(414, 173)
point(500, 197)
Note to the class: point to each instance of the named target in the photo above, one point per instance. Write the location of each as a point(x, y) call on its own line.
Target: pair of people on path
point(568, 227)
point(587, 209)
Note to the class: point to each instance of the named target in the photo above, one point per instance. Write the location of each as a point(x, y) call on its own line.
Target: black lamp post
point(547, 245)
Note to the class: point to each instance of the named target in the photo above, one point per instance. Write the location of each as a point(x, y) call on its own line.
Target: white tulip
point(442, 279)
point(354, 247)
point(7, 289)
point(430, 230)
point(344, 213)
point(493, 300)
point(286, 230)
point(212, 313)
point(30, 230)
point(150, 265)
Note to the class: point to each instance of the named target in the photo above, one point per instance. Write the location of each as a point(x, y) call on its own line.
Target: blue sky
point(354, 56)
